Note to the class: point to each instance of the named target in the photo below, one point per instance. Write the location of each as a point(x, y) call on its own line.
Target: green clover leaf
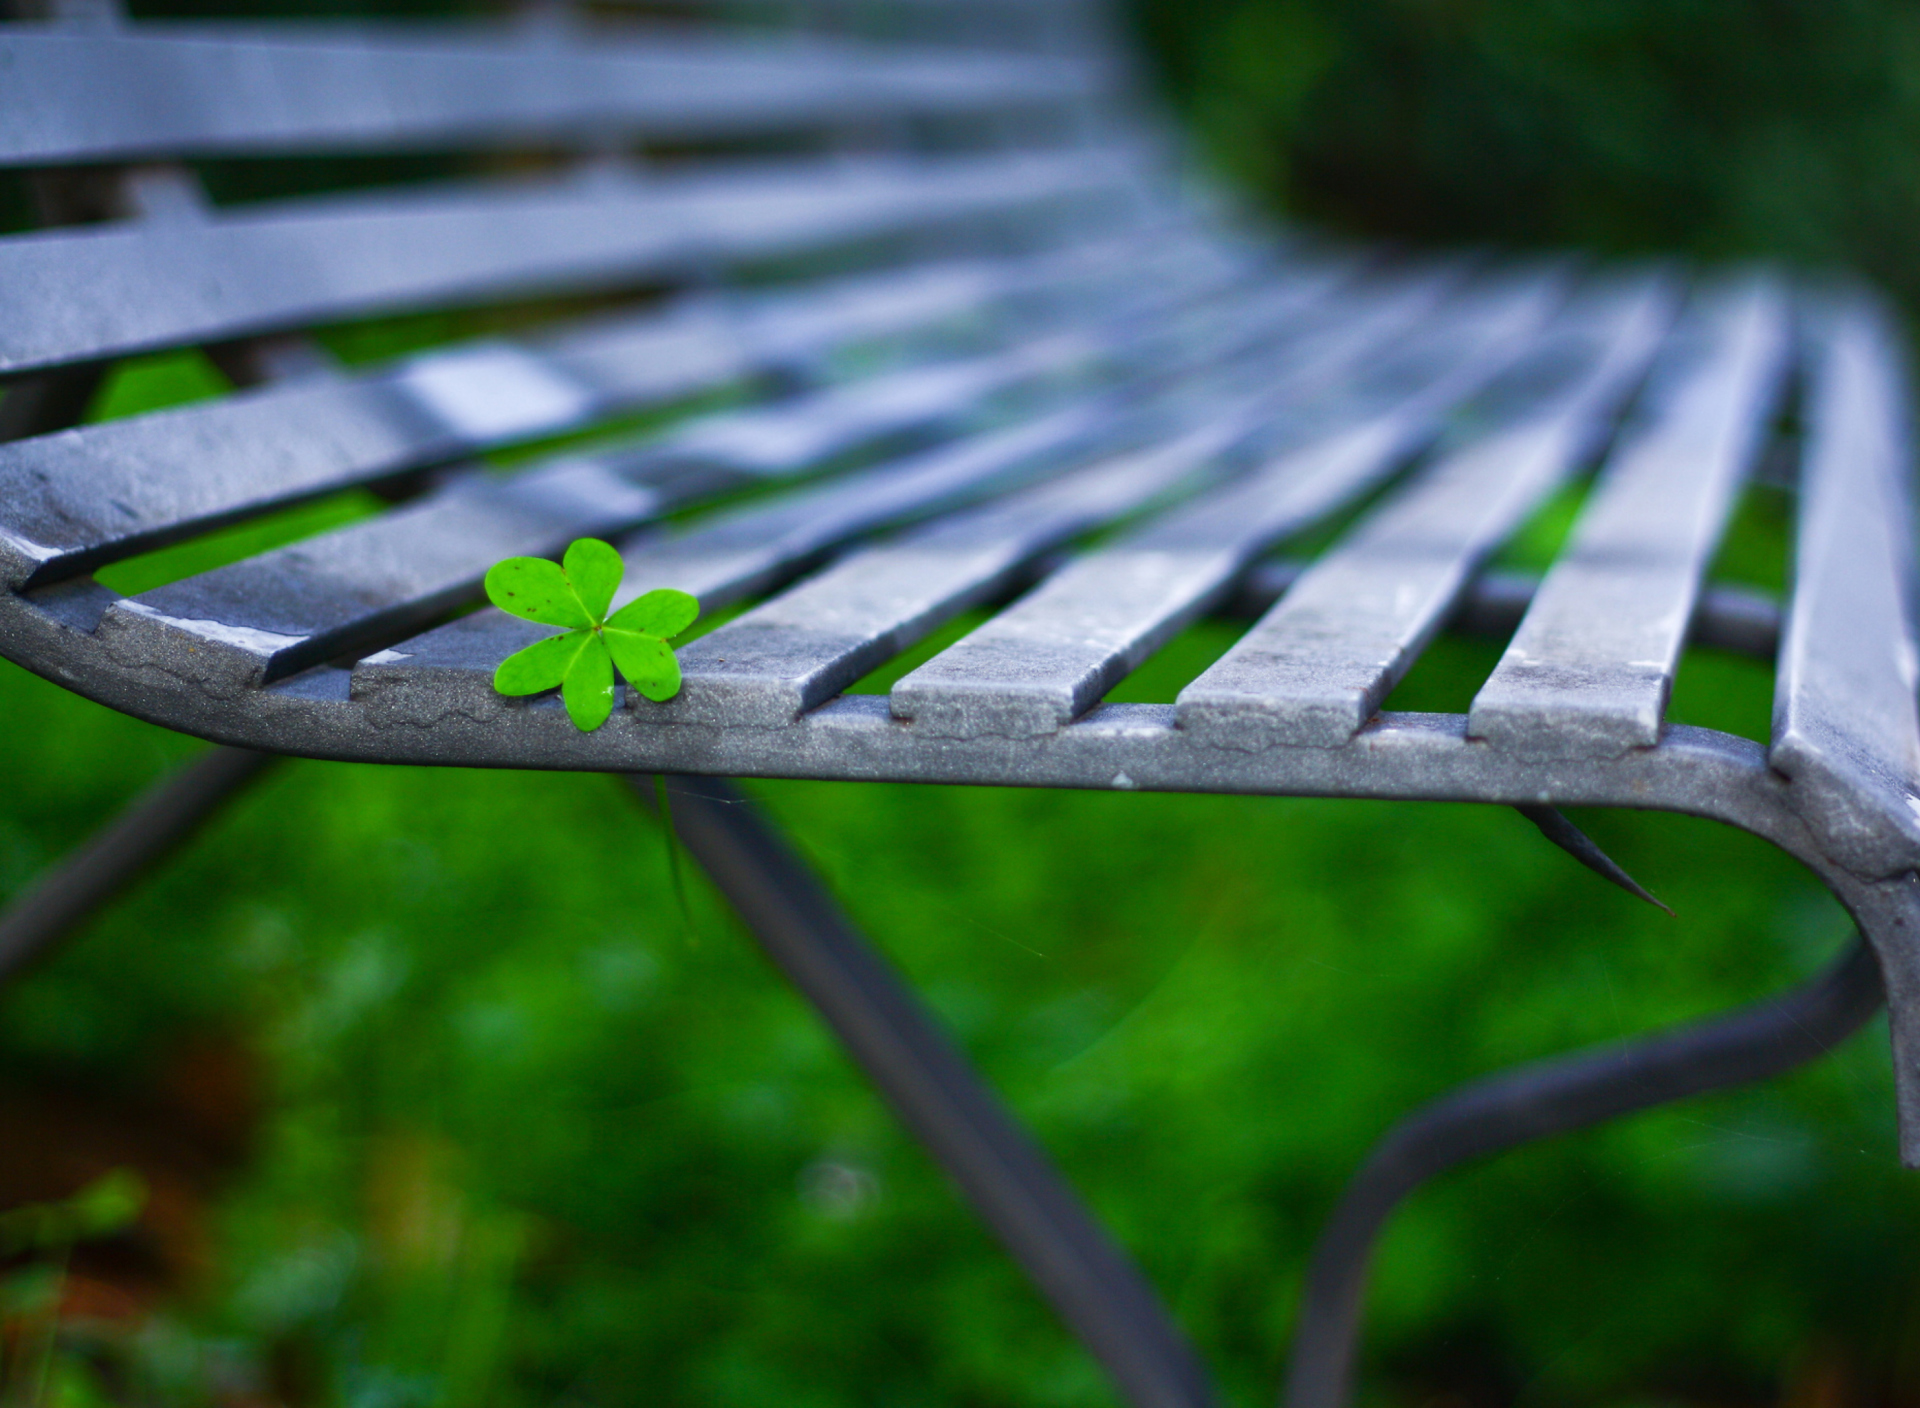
point(576, 593)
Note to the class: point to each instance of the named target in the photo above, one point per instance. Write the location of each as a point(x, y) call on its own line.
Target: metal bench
point(972, 320)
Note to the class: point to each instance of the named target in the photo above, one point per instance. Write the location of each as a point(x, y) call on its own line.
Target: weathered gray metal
point(70, 502)
point(1593, 662)
point(217, 90)
point(970, 321)
point(115, 289)
point(1050, 658)
point(1324, 660)
point(1844, 720)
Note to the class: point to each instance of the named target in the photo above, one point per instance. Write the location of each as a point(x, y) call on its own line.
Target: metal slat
point(785, 438)
point(1139, 327)
point(173, 90)
point(1593, 662)
point(996, 542)
point(1049, 658)
point(747, 550)
point(1316, 667)
point(1000, 25)
point(74, 501)
point(799, 650)
point(269, 616)
point(110, 290)
point(788, 330)
point(1736, 619)
point(244, 624)
point(1844, 723)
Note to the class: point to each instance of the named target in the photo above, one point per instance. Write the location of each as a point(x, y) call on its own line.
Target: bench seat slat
point(940, 571)
point(101, 291)
point(268, 616)
point(1314, 670)
point(740, 551)
point(1591, 666)
point(1844, 718)
point(1130, 327)
point(799, 650)
point(170, 90)
point(747, 550)
point(242, 625)
point(1050, 657)
point(790, 329)
point(256, 620)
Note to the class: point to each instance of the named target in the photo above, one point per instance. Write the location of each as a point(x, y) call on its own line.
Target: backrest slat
point(101, 291)
point(194, 91)
point(1047, 26)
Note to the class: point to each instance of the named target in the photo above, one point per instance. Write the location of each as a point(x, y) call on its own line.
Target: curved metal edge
point(1547, 1098)
point(1733, 619)
point(1115, 747)
point(1095, 1288)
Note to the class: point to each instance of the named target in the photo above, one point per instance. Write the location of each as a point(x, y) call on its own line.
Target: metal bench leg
point(1553, 1097)
point(1091, 1283)
point(156, 822)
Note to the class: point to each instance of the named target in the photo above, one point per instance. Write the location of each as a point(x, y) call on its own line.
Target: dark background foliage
point(1727, 128)
point(438, 1105)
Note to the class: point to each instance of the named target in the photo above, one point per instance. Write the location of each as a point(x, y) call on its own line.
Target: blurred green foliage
point(523, 1142)
point(107, 1205)
point(1726, 128)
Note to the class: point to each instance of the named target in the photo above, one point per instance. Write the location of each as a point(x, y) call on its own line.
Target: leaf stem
point(672, 838)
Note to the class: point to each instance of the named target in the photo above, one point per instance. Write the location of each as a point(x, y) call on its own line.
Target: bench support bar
point(1548, 1098)
point(1090, 1282)
point(157, 822)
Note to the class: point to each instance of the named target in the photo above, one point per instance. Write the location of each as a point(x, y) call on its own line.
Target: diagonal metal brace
point(1547, 1098)
point(162, 818)
point(1099, 1293)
